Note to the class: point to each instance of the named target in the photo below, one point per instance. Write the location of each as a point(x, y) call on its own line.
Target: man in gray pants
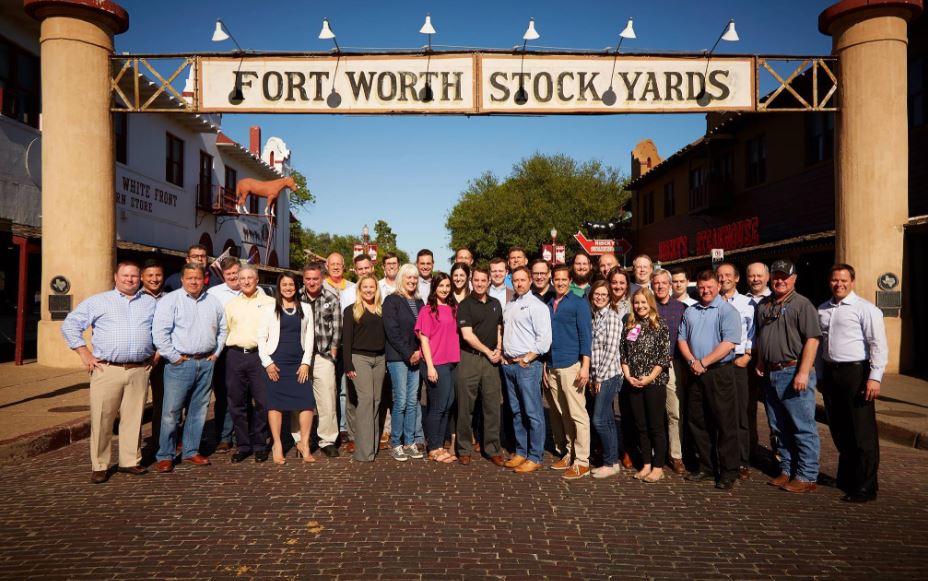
point(480, 320)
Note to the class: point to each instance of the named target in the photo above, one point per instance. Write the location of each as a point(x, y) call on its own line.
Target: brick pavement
point(420, 520)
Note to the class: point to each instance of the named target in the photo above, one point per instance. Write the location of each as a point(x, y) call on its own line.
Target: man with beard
point(580, 275)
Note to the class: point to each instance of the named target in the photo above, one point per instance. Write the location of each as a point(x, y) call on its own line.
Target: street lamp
point(365, 234)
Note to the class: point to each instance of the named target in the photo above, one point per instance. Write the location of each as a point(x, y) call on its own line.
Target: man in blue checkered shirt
point(119, 365)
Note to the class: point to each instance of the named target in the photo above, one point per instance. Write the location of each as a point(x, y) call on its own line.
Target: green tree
point(306, 244)
point(301, 196)
point(542, 192)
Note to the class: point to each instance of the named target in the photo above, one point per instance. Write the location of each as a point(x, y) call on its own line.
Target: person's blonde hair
point(654, 318)
point(404, 271)
point(359, 308)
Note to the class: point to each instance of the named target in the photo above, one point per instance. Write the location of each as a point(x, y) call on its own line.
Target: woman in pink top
point(441, 351)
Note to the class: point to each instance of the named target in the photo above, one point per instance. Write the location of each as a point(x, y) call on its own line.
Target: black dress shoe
point(859, 496)
point(99, 476)
point(725, 484)
point(133, 470)
point(699, 476)
point(261, 456)
point(239, 456)
point(330, 451)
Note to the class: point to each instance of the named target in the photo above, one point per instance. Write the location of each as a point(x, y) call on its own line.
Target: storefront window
point(174, 160)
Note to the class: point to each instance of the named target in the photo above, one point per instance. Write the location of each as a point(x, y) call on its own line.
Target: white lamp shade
point(629, 31)
point(530, 32)
point(326, 32)
point(427, 28)
point(730, 34)
point(219, 34)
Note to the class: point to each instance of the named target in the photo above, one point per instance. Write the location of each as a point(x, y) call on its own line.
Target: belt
point(846, 363)
point(718, 364)
point(126, 365)
point(203, 355)
point(781, 365)
point(245, 350)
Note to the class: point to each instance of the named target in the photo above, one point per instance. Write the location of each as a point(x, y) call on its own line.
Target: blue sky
point(410, 170)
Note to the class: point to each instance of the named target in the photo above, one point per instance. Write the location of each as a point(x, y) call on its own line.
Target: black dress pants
point(852, 420)
point(247, 400)
point(713, 403)
point(649, 410)
point(742, 390)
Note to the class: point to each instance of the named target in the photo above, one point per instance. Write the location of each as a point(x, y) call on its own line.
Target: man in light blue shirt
point(189, 331)
point(526, 338)
point(707, 338)
point(119, 366)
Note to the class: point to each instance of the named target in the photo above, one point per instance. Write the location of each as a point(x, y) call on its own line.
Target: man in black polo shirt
point(480, 320)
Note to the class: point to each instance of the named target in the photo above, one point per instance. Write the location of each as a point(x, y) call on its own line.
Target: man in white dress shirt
point(855, 353)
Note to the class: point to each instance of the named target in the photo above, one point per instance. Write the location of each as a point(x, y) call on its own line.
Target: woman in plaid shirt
point(605, 375)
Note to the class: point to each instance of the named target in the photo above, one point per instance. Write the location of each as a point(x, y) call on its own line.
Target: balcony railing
point(216, 199)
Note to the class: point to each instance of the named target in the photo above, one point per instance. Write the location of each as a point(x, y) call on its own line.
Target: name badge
point(633, 333)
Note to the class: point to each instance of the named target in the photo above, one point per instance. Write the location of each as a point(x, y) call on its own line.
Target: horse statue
point(269, 189)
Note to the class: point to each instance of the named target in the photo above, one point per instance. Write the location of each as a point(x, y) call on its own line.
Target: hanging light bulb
point(730, 34)
point(629, 31)
point(326, 32)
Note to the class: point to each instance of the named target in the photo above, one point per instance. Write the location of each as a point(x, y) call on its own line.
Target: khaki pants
point(676, 393)
point(570, 423)
point(326, 400)
point(113, 390)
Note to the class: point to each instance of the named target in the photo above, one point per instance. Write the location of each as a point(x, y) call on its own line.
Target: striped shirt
point(607, 335)
point(185, 325)
point(121, 326)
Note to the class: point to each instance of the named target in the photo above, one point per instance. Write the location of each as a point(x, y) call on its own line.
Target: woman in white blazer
point(285, 346)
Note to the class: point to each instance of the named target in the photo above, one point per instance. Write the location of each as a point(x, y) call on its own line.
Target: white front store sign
point(142, 195)
point(476, 84)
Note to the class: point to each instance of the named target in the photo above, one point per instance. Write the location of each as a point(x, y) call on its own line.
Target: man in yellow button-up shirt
point(244, 373)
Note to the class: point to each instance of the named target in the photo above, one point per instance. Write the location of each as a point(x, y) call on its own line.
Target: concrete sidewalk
point(45, 408)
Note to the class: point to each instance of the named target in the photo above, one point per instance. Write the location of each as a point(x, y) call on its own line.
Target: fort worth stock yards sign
point(475, 84)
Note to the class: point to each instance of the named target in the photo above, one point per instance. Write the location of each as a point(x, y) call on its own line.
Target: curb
point(41, 441)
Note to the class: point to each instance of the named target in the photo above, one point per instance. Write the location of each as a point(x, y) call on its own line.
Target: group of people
point(685, 374)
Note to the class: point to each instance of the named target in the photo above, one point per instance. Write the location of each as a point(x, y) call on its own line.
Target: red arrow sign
point(603, 246)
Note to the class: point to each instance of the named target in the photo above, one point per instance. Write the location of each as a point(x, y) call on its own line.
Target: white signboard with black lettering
point(605, 84)
point(474, 84)
point(347, 84)
point(152, 199)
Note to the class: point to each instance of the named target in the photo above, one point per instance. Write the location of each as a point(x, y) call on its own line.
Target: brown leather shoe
point(197, 459)
point(779, 480)
point(349, 447)
point(576, 472)
point(498, 460)
point(464, 459)
point(223, 447)
point(99, 476)
point(165, 466)
point(798, 486)
point(744, 473)
point(515, 461)
point(562, 464)
point(677, 465)
point(133, 470)
point(627, 461)
point(526, 467)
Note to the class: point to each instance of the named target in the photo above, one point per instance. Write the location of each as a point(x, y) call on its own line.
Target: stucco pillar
point(871, 141)
point(78, 209)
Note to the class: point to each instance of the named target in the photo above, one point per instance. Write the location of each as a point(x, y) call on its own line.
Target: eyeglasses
point(539, 274)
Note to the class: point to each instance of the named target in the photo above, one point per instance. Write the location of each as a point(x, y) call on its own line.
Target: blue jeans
point(792, 419)
point(441, 396)
point(405, 381)
point(604, 419)
point(523, 385)
point(191, 378)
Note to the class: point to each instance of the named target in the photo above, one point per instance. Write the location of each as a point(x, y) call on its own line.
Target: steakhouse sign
point(474, 84)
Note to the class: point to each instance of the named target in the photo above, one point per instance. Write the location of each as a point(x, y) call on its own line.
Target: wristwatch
point(691, 362)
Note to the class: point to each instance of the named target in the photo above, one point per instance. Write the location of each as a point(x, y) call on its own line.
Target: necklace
point(290, 310)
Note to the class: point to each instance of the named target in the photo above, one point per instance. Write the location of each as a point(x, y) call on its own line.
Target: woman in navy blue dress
point(285, 345)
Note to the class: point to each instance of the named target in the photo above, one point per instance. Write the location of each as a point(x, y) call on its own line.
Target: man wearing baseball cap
point(786, 342)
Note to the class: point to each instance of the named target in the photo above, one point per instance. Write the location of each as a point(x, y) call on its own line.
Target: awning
point(817, 241)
